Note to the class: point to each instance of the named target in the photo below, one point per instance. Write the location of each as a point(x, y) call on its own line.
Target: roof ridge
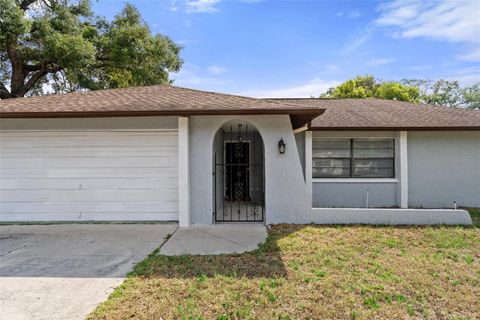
point(237, 96)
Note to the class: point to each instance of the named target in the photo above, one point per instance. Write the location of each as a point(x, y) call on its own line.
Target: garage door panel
point(89, 176)
point(53, 152)
point(89, 140)
point(122, 172)
point(78, 134)
point(156, 216)
point(90, 216)
point(90, 195)
point(90, 162)
point(88, 183)
point(41, 208)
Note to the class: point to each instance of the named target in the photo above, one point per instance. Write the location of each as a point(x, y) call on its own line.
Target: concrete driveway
point(63, 271)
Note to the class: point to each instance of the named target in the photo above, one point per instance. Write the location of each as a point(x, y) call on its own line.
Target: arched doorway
point(238, 173)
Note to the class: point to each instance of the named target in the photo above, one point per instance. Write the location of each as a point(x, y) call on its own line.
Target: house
point(165, 153)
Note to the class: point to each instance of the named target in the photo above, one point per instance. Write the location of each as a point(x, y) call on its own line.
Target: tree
point(392, 90)
point(441, 92)
point(444, 93)
point(368, 87)
point(447, 93)
point(471, 96)
point(63, 44)
point(359, 87)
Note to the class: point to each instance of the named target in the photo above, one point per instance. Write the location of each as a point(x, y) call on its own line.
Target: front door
point(238, 176)
point(237, 162)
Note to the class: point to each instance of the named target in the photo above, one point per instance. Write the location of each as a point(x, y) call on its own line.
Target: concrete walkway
point(65, 271)
point(215, 239)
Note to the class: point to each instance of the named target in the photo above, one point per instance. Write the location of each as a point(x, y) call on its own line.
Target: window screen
point(353, 158)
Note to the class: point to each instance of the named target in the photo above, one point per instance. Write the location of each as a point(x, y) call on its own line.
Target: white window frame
point(358, 179)
point(401, 165)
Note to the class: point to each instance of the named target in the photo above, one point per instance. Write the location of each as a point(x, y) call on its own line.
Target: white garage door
point(46, 176)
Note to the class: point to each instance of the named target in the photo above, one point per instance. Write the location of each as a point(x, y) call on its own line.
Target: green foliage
point(368, 87)
point(395, 91)
point(445, 93)
point(360, 87)
point(62, 43)
point(13, 23)
point(440, 92)
point(132, 51)
point(471, 96)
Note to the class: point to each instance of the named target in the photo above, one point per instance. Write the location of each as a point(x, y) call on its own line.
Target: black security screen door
point(238, 174)
point(237, 165)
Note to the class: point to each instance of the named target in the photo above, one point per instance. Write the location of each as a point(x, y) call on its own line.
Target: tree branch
point(4, 93)
point(24, 4)
point(48, 4)
point(34, 79)
point(21, 91)
point(31, 68)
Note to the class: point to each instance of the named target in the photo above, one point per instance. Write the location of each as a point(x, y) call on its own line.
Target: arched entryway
point(238, 173)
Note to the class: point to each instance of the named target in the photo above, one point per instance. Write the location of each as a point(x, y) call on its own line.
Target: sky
point(267, 48)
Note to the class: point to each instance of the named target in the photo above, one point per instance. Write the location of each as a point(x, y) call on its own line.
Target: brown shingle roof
point(160, 99)
point(340, 114)
point(150, 100)
point(156, 99)
point(377, 114)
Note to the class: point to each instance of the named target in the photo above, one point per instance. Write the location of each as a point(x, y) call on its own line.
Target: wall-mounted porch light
point(281, 146)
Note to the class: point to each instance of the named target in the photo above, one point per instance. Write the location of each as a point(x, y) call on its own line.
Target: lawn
point(314, 272)
point(475, 214)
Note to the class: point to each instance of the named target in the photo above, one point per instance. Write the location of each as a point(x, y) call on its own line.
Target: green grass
point(314, 272)
point(475, 214)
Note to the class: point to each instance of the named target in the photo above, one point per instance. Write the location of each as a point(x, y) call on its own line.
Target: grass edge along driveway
point(314, 272)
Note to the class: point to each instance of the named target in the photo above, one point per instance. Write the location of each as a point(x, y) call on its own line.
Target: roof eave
point(429, 128)
point(298, 117)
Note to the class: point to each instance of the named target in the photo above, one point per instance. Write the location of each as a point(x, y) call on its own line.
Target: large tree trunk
point(18, 76)
point(24, 76)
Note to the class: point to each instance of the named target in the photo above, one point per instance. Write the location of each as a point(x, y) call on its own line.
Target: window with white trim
point(353, 158)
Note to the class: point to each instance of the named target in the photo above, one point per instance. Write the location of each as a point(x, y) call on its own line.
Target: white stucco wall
point(300, 139)
point(354, 194)
point(285, 190)
point(390, 216)
point(443, 167)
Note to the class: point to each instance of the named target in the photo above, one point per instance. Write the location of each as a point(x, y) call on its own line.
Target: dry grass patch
point(313, 272)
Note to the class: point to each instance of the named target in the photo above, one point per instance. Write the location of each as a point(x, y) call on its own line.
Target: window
point(353, 158)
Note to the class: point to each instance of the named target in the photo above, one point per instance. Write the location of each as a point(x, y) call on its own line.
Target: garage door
point(71, 176)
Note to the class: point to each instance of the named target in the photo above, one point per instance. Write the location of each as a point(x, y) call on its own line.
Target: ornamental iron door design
point(239, 175)
point(236, 171)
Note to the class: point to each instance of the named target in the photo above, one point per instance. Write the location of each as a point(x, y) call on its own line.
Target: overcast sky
point(301, 48)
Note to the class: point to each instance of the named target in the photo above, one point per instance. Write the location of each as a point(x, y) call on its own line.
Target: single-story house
point(165, 153)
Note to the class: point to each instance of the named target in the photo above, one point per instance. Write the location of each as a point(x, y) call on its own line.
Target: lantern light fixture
point(281, 146)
